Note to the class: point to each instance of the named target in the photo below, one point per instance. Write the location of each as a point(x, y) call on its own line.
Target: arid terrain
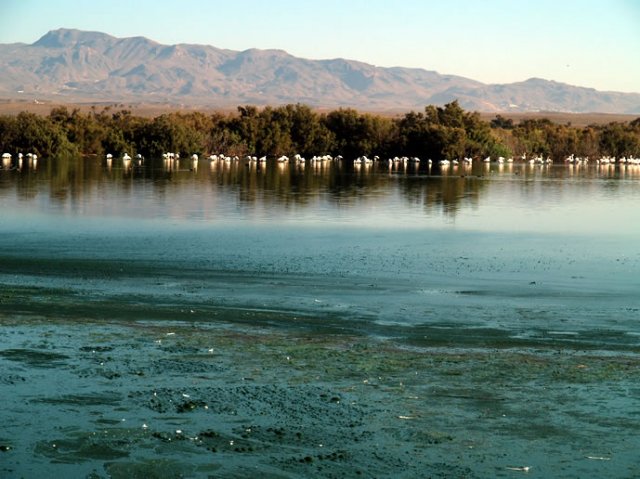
point(13, 107)
point(69, 65)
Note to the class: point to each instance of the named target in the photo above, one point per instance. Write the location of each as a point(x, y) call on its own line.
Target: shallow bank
point(193, 399)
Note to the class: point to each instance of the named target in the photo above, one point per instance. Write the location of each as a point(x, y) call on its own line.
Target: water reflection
point(19, 163)
point(231, 188)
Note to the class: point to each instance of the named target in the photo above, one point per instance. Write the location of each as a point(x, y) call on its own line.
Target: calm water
point(584, 200)
point(214, 320)
point(508, 254)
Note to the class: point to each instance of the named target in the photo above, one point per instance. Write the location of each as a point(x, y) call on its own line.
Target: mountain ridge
point(77, 65)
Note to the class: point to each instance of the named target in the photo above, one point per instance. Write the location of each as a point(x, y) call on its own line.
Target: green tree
point(501, 122)
point(37, 134)
point(446, 132)
point(618, 140)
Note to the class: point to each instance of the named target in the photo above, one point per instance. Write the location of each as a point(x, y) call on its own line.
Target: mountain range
point(80, 66)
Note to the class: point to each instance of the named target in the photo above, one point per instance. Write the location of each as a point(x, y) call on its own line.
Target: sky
point(590, 43)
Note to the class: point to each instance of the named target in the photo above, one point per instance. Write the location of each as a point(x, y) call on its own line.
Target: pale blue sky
point(592, 43)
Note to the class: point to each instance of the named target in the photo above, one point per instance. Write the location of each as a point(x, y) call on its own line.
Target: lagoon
point(460, 322)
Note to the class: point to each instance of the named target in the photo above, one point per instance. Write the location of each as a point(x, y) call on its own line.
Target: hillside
point(74, 66)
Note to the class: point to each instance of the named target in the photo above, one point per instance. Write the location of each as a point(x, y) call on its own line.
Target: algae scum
point(288, 394)
point(360, 329)
point(191, 400)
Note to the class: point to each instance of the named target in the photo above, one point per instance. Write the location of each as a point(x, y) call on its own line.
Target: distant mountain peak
point(78, 66)
point(68, 37)
point(267, 51)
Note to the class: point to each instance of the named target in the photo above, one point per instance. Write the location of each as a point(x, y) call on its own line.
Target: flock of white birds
point(361, 160)
point(30, 159)
point(365, 160)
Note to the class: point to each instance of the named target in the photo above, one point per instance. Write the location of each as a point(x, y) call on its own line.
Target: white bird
point(126, 157)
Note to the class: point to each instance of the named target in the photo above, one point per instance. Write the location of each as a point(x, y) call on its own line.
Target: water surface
point(534, 252)
point(475, 320)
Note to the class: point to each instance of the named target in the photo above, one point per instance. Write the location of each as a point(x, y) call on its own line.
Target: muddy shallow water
point(225, 321)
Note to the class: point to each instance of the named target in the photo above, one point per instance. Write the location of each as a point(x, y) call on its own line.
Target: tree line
point(447, 132)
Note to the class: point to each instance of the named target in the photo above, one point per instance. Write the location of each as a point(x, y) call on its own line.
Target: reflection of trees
point(444, 192)
point(23, 170)
point(65, 178)
point(74, 181)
